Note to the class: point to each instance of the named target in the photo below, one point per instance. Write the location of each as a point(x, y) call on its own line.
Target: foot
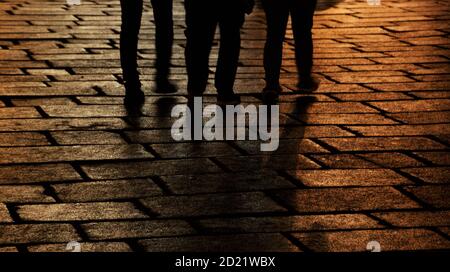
point(165, 87)
point(134, 96)
point(270, 95)
point(308, 84)
point(228, 98)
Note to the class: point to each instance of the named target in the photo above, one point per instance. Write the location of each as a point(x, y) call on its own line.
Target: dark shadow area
point(134, 113)
point(317, 239)
point(326, 4)
point(292, 133)
point(232, 193)
point(164, 105)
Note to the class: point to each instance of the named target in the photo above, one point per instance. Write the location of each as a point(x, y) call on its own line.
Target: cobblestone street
point(364, 158)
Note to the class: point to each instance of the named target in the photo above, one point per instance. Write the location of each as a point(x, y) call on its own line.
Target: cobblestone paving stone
point(365, 157)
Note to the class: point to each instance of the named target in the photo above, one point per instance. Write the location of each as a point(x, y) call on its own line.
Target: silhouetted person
point(202, 19)
point(129, 35)
point(277, 16)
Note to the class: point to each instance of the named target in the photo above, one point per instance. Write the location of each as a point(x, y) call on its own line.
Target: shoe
point(308, 84)
point(270, 95)
point(228, 98)
point(134, 96)
point(165, 87)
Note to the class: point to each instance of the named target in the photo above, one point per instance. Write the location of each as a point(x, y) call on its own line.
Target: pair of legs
point(277, 16)
point(202, 19)
point(129, 36)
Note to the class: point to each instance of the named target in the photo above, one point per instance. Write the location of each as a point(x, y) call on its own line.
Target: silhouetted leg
point(277, 15)
point(162, 14)
point(230, 22)
point(302, 14)
point(200, 29)
point(129, 35)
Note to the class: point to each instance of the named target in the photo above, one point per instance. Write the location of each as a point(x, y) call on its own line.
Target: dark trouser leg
point(302, 13)
point(231, 18)
point(129, 35)
point(277, 15)
point(201, 26)
point(162, 14)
